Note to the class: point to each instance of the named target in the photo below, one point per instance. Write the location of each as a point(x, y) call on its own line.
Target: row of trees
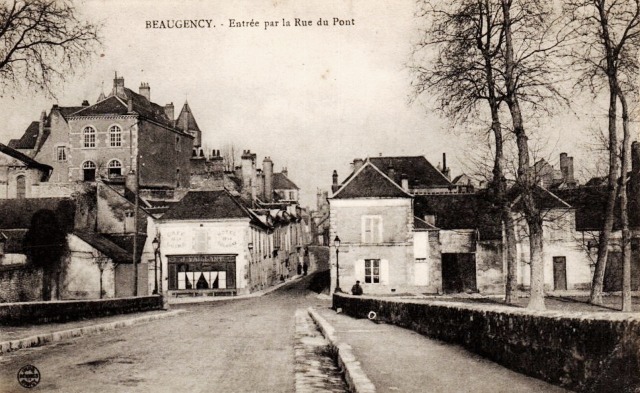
point(506, 62)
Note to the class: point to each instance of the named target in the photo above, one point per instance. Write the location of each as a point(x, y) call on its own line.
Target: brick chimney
point(566, 167)
point(404, 180)
point(357, 164)
point(118, 86)
point(445, 171)
point(267, 170)
point(169, 111)
point(248, 174)
point(334, 184)
point(85, 103)
point(391, 172)
point(145, 91)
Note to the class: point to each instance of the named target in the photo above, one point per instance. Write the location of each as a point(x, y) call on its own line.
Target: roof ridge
point(369, 163)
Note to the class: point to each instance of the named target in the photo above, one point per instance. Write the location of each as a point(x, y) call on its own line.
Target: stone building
point(419, 234)
point(120, 133)
point(20, 175)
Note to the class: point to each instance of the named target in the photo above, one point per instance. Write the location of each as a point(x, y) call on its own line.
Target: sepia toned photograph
point(320, 196)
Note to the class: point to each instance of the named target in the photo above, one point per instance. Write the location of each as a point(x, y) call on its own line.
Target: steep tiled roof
point(118, 106)
point(282, 182)
point(17, 213)
point(461, 211)
point(29, 162)
point(28, 139)
point(370, 182)
point(419, 171)
point(207, 205)
point(67, 111)
point(187, 116)
point(105, 246)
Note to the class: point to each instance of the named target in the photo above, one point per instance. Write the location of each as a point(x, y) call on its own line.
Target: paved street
point(233, 346)
point(264, 344)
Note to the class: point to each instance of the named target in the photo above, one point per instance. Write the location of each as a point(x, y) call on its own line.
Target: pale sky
point(313, 98)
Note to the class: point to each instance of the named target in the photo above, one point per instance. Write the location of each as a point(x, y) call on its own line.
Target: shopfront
point(202, 272)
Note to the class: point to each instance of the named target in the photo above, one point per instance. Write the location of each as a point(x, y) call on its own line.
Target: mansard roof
point(370, 182)
point(282, 182)
point(186, 117)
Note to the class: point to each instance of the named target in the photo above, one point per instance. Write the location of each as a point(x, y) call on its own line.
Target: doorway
point(560, 273)
point(459, 272)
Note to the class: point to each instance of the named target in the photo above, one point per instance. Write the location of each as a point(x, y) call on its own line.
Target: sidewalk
point(13, 338)
point(400, 360)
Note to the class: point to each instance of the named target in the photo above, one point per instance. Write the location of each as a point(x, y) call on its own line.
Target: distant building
point(120, 133)
point(415, 231)
point(20, 175)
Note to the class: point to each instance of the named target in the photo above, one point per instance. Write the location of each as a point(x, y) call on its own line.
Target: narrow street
point(233, 346)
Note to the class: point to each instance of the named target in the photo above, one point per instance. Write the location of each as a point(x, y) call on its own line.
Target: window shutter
point(420, 245)
point(384, 272)
point(359, 270)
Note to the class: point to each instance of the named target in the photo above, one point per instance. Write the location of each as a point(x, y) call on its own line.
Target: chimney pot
point(145, 91)
point(84, 103)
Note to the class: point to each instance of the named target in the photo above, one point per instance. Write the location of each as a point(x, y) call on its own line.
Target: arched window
point(115, 136)
point(21, 187)
point(89, 134)
point(89, 171)
point(115, 168)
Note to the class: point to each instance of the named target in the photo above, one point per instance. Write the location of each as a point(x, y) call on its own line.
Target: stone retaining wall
point(587, 352)
point(63, 311)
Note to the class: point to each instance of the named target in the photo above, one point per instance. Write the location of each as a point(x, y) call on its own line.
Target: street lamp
point(156, 249)
point(336, 242)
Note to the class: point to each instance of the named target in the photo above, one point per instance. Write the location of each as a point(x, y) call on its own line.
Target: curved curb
point(355, 377)
point(45, 338)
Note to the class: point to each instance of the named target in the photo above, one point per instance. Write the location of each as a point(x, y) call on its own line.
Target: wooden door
point(559, 273)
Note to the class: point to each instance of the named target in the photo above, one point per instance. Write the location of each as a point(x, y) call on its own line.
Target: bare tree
point(606, 53)
point(497, 52)
point(42, 42)
point(467, 37)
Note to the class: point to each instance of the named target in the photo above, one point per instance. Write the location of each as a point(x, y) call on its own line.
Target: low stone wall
point(20, 283)
point(62, 311)
point(594, 352)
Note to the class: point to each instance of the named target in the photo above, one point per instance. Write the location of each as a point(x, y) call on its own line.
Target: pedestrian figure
point(356, 289)
point(305, 267)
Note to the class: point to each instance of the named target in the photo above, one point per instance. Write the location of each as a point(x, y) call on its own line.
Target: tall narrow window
point(178, 147)
point(371, 229)
point(21, 187)
point(61, 153)
point(89, 134)
point(115, 136)
point(89, 171)
point(115, 168)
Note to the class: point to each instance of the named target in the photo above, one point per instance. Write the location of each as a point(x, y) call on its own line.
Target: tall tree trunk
point(526, 180)
point(612, 191)
point(624, 210)
point(499, 182)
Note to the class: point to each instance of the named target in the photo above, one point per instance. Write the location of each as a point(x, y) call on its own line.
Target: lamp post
point(336, 242)
point(250, 246)
point(156, 248)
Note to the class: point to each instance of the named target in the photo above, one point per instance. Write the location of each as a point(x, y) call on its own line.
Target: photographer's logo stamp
point(28, 376)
